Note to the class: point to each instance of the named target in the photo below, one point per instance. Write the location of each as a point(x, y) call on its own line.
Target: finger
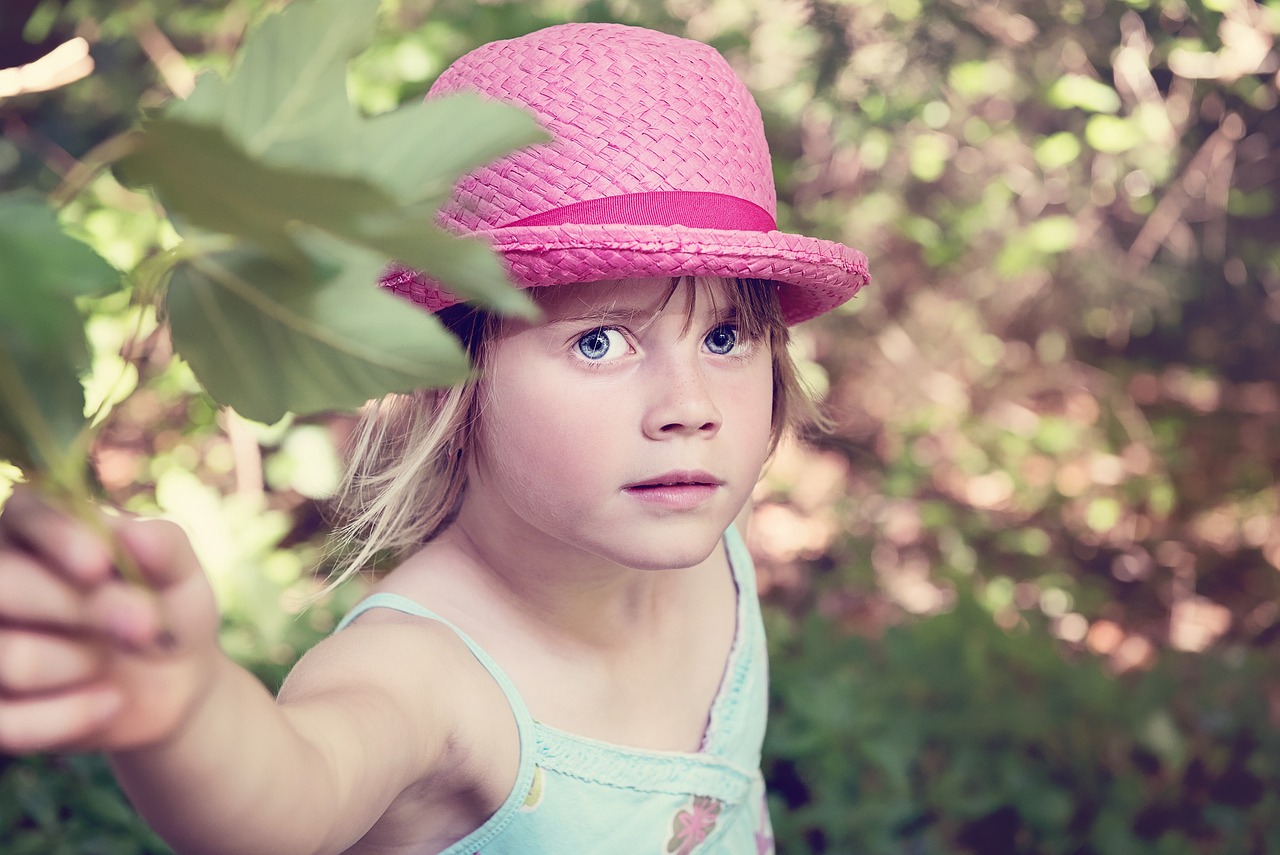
point(126, 614)
point(56, 721)
point(37, 663)
point(54, 537)
point(161, 548)
point(30, 594)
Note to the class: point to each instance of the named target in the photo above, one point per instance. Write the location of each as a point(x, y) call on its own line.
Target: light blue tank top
point(578, 795)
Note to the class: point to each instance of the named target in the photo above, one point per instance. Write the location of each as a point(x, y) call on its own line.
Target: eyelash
point(742, 346)
point(576, 344)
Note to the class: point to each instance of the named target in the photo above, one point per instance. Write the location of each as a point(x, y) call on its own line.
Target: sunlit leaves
point(929, 153)
point(43, 350)
point(1112, 134)
point(977, 78)
point(1075, 90)
point(1057, 150)
point(1044, 238)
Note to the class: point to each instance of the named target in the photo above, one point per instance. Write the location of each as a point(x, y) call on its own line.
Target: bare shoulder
point(408, 689)
point(401, 652)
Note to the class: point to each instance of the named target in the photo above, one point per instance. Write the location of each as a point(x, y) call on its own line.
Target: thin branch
point(171, 64)
point(1171, 208)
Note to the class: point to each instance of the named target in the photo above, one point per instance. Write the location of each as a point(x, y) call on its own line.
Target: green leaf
point(203, 177)
point(285, 110)
point(200, 174)
point(287, 94)
point(423, 148)
point(312, 342)
point(286, 103)
point(277, 157)
point(465, 264)
point(43, 349)
point(36, 253)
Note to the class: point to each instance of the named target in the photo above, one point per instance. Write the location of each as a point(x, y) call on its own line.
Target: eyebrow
point(606, 316)
point(620, 315)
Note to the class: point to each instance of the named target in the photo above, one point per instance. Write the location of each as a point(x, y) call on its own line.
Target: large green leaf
point(35, 253)
point(286, 103)
point(276, 150)
point(42, 343)
point(423, 148)
point(209, 181)
point(465, 264)
point(324, 337)
point(287, 95)
point(204, 178)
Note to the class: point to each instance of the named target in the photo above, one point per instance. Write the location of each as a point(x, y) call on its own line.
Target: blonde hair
point(407, 462)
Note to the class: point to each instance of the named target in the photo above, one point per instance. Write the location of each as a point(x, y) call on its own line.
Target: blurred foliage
point(955, 735)
point(1026, 598)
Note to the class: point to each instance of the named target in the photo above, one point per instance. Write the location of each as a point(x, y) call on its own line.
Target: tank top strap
point(524, 720)
point(740, 562)
point(400, 603)
point(735, 726)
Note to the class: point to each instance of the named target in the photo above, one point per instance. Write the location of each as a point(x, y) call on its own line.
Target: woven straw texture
point(629, 110)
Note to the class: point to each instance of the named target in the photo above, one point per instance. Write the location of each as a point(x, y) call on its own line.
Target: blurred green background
point(1026, 598)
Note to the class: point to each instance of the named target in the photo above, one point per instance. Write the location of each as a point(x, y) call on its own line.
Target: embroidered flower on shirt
point(764, 830)
point(536, 789)
point(692, 824)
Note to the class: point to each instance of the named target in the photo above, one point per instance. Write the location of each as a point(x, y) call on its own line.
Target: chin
point(664, 551)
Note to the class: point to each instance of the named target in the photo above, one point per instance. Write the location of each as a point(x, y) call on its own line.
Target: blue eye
point(722, 339)
point(598, 344)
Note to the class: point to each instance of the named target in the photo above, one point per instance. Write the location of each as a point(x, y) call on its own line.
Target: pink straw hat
point(658, 167)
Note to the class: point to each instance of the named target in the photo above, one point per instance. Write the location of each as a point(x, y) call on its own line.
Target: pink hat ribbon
point(658, 167)
point(698, 210)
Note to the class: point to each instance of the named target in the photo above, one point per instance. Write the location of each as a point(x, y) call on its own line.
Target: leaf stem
point(38, 432)
point(61, 473)
point(130, 344)
point(95, 160)
point(77, 500)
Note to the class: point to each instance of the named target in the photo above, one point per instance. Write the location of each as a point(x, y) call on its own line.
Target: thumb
point(161, 550)
point(178, 608)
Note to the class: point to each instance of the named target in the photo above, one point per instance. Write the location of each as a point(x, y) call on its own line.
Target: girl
point(570, 656)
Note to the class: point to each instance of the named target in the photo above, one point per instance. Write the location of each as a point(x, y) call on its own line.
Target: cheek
point(539, 439)
point(752, 406)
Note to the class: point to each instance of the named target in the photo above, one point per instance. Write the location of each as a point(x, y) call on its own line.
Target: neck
point(564, 594)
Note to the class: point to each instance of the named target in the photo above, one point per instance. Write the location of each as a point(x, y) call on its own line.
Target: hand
point(87, 660)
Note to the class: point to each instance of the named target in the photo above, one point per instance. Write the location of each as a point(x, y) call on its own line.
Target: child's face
point(622, 427)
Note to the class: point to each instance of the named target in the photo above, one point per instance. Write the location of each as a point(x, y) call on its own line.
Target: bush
point(953, 735)
point(68, 806)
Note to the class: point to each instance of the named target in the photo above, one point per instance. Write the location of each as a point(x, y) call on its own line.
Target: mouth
point(675, 480)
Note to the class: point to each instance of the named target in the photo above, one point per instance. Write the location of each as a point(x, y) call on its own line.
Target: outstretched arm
point(89, 662)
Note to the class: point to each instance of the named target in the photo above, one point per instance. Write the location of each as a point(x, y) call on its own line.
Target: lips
point(675, 492)
point(676, 479)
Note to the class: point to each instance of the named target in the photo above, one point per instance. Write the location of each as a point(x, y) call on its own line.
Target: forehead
point(643, 297)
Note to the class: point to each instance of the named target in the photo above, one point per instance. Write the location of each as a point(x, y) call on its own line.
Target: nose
point(681, 402)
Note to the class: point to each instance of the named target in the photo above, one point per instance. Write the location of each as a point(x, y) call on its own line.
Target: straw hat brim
point(813, 275)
